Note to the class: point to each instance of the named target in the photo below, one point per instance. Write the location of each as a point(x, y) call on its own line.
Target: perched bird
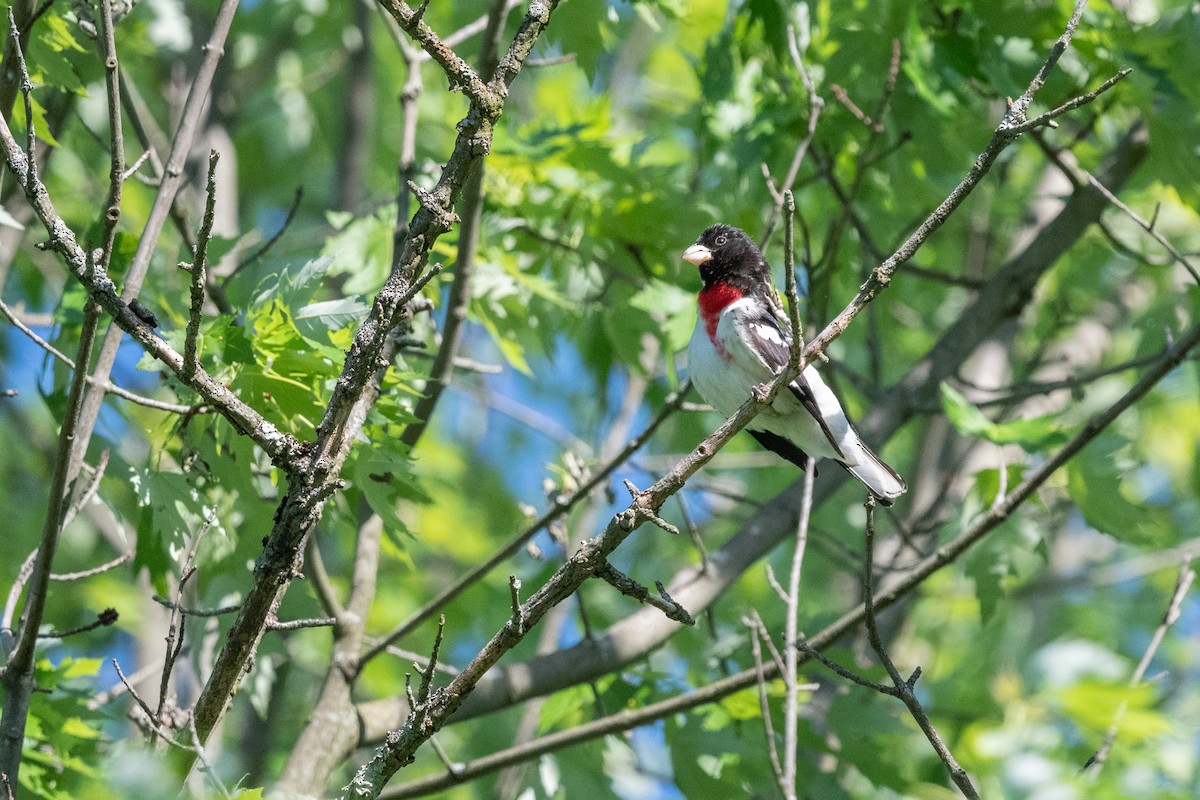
point(741, 340)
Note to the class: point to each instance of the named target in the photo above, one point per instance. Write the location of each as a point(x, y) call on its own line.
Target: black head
point(725, 254)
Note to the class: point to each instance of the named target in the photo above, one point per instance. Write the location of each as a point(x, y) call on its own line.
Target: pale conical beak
point(697, 254)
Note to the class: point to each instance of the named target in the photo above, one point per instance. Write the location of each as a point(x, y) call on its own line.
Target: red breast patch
point(712, 301)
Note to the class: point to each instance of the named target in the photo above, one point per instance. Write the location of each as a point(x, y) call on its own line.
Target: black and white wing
point(772, 344)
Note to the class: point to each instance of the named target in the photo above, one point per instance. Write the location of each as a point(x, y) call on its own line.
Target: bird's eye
point(722, 239)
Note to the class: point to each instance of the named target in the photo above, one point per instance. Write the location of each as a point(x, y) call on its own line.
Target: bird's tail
point(880, 479)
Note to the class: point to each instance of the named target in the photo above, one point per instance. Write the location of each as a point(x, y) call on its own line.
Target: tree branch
point(17, 677)
point(631, 588)
point(904, 584)
point(464, 266)
point(191, 350)
point(562, 504)
point(173, 179)
point(357, 386)
point(904, 688)
point(457, 70)
point(1182, 584)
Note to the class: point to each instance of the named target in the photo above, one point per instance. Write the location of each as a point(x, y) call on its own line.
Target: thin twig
point(430, 669)
point(116, 178)
point(417, 658)
point(84, 497)
point(815, 104)
point(26, 95)
point(195, 748)
point(756, 637)
point(850, 675)
point(87, 573)
point(1183, 582)
point(645, 511)
point(904, 686)
point(178, 618)
point(196, 612)
point(631, 588)
point(314, 570)
point(105, 618)
point(275, 237)
point(135, 166)
point(109, 386)
point(191, 347)
point(518, 617)
point(1080, 175)
point(791, 707)
point(298, 624)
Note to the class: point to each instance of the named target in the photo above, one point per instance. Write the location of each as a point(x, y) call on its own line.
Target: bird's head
point(726, 254)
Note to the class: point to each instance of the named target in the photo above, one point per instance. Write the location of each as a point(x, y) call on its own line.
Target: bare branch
point(518, 617)
point(1183, 582)
point(429, 671)
point(457, 70)
point(105, 618)
point(87, 573)
point(299, 624)
point(561, 505)
point(791, 707)
point(815, 104)
point(1047, 119)
point(645, 510)
point(17, 678)
point(109, 386)
point(191, 354)
point(178, 615)
point(1078, 175)
point(1017, 109)
point(631, 588)
point(275, 237)
point(116, 179)
point(83, 498)
point(756, 636)
point(196, 612)
point(904, 687)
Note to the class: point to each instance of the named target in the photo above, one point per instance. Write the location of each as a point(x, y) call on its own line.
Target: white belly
point(726, 373)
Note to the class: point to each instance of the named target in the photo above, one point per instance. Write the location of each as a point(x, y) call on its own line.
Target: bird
point(742, 340)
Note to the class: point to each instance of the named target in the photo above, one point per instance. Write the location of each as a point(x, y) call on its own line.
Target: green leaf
point(294, 285)
point(673, 308)
point(1095, 705)
point(1033, 435)
point(315, 320)
point(714, 765)
point(566, 708)
point(1096, 482)
point(385, 478)
point(171, 509)
point(506, 341)
point(249, 794)
point(743, 705)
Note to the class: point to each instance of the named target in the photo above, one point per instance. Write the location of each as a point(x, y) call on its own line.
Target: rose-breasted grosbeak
point(741, 340)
